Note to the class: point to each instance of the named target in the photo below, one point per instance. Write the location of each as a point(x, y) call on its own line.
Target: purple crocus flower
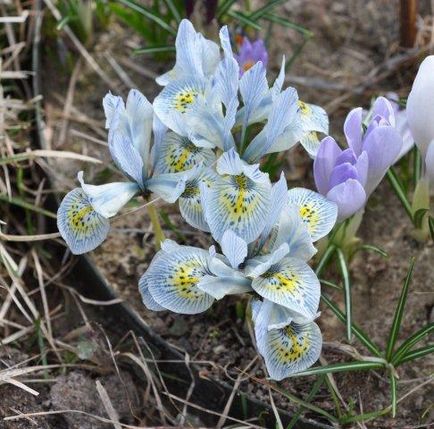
point(349, 176)
point(250, 53)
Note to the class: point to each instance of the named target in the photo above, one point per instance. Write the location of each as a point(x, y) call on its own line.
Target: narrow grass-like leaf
point(148, 14)
point(331, 284)
point(171, 6)
point(347, 290)
point(419, 216)
point(393, 393)
point(244, 19)
point(364, 417)
point(358, 365)
point(269, 6)
point(411, 341)
point(19, 202)
point(398, 188)
point(224, 7)
point(315, 388)
point(288, 24)
point(431, 226)
point(358, 332)
point(416, 354)
point(325, 258)
point(399, 312)
point(154, 50)
point(372, 248)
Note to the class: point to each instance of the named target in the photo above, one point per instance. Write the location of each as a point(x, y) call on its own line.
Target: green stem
point(421, 200)
point(156, 226)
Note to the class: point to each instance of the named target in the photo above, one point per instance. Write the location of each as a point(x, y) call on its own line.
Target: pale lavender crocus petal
point(341, 173)
point(382, 146)
point(349, 196)
point(383, 108)
point(250, 53)
point(362, 165)
point(353, 130)
point(324, 163)
point(347, 155)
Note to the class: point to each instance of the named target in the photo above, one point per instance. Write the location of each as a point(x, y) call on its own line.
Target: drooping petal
point(383, 146)
point(108, 199)
point(177, 153)
point(147, 299)
point(310, 141)
point(317, 212)
point(313, 118)
point(353, 130)
point(234, 248)
point(238, 203)
point(170, 186)
point(268, 315)
point(324, 163)
point(80, 225)
point(173, 277)
point(349, 196)
point(291, 283)
point(190, 204)
point(291, 349)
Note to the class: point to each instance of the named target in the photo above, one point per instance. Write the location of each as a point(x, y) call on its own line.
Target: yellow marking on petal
point(304, 108)
point(77, 217)
point(310, 216)
point(184, 98)
point(185, 278)
point(282, 282)
point(290, 347)
point(240, 202)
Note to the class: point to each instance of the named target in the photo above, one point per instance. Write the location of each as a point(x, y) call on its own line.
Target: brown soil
point(352, 38)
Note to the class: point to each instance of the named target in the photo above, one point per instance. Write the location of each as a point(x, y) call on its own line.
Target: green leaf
point(325, 258)
point(418, 217)
point(347, 290)
point(148, 14)
point(132, 19)
point(269, 6)
point(358, 365)
point(173, 10)
point(372, 248)
point(331, 284)
point(224, 7)
point(315, 388)
point(244, 19)
point(288, 24)
point(19, 202)
point(358, 332)
point(411, 341)
point(417, 354)
point(393, 393)
point(154, 50)
point(399, 312)
point(399, 191)
point(431, 226)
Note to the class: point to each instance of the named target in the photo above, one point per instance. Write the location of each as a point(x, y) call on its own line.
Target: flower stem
point(421, 200)
point(156, 226)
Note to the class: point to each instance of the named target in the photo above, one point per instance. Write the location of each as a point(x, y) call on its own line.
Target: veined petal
point(291, 283)
point(292, 230)
point(190, 204)
point(147, 299)
point(177, 153)
point(234, 248)
point(237, 203)
point(350, 197)
point(170, 186)
point(318, 213)
point(324, 163)
point(175, 100)
point(108, 199)
point(353, 130)
point(291, 349)
point(110, 103)
point(173, 278)
point(313, 118)
point(310, 141)
point(278, 83)
point(258, 265)
point(80, 225)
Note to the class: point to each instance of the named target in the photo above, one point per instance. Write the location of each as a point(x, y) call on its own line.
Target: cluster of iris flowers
point(201, 143)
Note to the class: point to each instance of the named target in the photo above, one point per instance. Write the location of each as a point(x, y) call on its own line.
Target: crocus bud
point(349, 176)
point(420, 106)
point(250, 53)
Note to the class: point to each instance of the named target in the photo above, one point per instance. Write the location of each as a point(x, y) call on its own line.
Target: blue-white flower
point(84, 212)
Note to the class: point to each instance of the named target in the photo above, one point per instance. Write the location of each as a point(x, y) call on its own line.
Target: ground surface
point(342, 67)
